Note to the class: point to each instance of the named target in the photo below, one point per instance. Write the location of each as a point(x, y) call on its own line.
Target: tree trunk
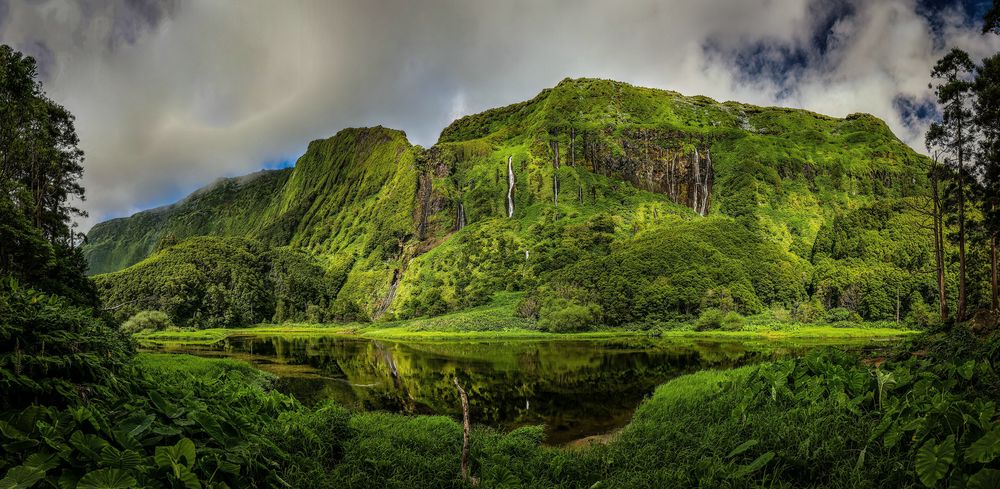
point(960, 313)
point(993, 268)
point(939, 247)
point(465, 430)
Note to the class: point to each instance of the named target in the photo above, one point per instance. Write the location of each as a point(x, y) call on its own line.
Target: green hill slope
point(556, 195)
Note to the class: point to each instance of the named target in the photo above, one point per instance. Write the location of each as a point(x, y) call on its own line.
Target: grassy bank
point(208, 336)
point(498, 321)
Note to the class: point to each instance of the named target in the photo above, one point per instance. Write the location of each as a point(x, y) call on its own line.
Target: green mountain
point(603, 202)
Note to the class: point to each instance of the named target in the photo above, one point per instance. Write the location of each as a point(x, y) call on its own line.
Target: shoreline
point(811, 332)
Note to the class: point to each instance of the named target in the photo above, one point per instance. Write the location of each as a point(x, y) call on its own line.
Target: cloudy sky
point(170, 95)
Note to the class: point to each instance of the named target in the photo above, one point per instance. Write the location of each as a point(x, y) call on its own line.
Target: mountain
point(603, 202)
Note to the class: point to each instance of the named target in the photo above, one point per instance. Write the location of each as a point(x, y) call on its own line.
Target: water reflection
point(575, 388)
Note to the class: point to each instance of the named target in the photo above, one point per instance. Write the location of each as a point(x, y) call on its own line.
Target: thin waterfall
point(460, 217)
point(695, 182)
point(510, 186)
point(705, 190)
point(555, 188)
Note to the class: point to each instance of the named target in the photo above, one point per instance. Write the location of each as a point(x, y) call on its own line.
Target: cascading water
point(510, 186)
point(705, 189)
point(555, 189)
point(460, 218)
point(695, 182)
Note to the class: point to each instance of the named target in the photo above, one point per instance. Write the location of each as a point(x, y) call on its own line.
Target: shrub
point(528, 307)
point(147, 321)
point(841, 314)
point(710, 318)
point(920, 315)
point(732, 321)
point(808, 312)
point(565, 316)
point(54, 352)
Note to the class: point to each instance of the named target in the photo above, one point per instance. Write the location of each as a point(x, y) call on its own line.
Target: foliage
point(668, 273)
point(190, 423)
point(52, 351)
point(147, 321)
point(218, 282)
point(40, 163)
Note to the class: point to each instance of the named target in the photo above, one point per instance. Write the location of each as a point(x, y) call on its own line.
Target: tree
point(39, 158)
point(991, 21)
point(953, 136)
point(987, 118)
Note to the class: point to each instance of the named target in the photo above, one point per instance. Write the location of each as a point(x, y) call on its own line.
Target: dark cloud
point(130, 19)
point(169, 96)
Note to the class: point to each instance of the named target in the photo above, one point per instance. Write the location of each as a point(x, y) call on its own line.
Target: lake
point(576, 388)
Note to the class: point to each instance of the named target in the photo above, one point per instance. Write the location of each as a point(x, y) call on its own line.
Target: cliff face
point(406, 231)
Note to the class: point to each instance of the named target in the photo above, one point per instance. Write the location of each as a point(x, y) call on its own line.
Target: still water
point(576, 388)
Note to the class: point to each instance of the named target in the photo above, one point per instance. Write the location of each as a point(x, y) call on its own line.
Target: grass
point(497, 320)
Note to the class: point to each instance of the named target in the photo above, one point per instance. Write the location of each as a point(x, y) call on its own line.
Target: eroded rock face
point(662, 161)
point(431, 165)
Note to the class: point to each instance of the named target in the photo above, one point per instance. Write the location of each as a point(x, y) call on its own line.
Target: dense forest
point(595, 205)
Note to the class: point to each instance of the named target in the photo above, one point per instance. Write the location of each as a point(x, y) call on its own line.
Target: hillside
point(751, 206)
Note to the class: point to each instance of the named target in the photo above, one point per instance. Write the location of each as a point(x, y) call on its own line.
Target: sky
point(170, 95)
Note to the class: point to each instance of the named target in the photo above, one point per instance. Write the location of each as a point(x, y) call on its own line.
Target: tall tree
point(991, 22)
point(40, 170)
point(38, 149)
point(987, 118)
point(953, 136)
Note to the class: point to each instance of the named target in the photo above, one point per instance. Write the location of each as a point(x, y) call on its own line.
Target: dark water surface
point(576, 388)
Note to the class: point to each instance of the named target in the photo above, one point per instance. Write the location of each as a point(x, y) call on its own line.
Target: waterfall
point(510, 186)
point(706, 190)
point(460, 218)
point(555, 188)
point(695, 182)
point(387, 301)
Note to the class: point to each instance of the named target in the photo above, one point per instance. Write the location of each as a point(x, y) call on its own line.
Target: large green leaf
point(107, 479)
point(89, 445)
point(21, 477)
point(985, 449)
point(167, 457)
point(934, 460)
point(985, 479)
point(120, 459)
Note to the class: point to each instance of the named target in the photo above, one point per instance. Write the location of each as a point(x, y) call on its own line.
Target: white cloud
point(170, 96)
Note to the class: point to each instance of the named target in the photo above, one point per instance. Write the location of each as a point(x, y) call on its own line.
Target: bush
point(147, 321)
point(808, 312)
point(732, 321)
point(54, 352)
point(841, 314)
point(528, 307)
point(565, 316)
point(920, 315)
point(713, 318)
point(710, 318)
